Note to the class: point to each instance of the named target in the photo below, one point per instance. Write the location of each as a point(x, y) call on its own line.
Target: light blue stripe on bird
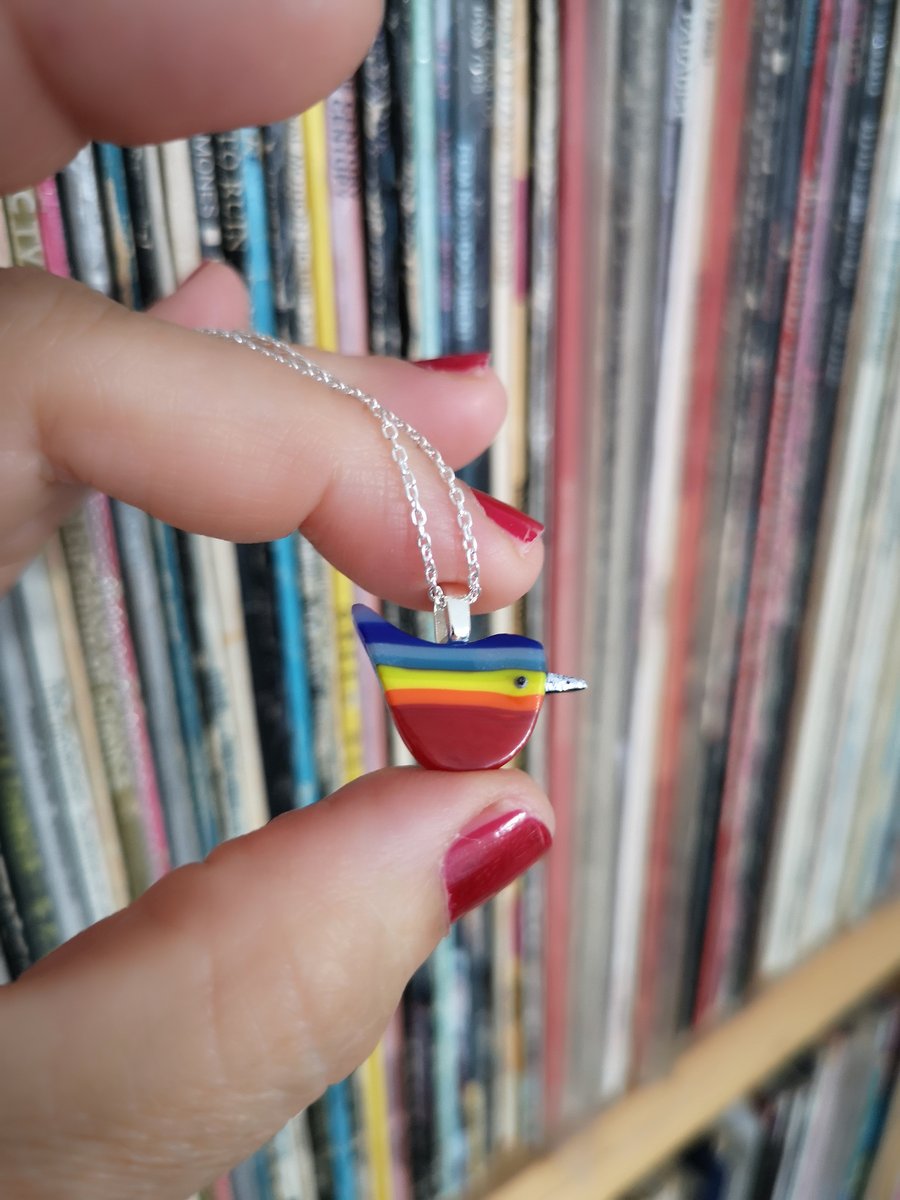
point(474, 656)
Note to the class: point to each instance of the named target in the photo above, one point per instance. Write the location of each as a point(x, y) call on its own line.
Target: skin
point(158, 1048)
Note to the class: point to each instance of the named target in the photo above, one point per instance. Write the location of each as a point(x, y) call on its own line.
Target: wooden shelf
point(639, 1133)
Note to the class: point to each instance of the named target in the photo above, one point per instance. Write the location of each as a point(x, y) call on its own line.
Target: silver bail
point(564, 683)
point(453, 620)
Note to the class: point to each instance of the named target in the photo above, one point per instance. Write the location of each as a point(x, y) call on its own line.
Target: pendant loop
point(453, 619)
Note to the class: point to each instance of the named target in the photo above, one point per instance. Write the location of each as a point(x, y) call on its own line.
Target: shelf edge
point(622, 1145)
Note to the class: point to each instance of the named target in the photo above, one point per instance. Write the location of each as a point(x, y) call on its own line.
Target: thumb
point(164, 1044)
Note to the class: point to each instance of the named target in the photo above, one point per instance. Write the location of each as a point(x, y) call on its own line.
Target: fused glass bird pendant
point(460, 705)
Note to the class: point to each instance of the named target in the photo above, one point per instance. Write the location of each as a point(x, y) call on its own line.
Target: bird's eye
point(520, 681)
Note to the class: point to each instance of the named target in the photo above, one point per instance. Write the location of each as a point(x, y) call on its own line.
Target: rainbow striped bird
point(460, 706)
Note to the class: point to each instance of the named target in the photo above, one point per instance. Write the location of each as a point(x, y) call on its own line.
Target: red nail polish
point(490, 853)
point(526, 529)
point(458, 364)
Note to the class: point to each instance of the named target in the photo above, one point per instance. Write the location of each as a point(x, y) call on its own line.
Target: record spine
point(807, 432)
point(224, 573)
point(117, 219)
point(50, 223)
point(398, 19)
point(658, 554)
point(43, 647)
point(153, 263)
point(280, 216)
point(424, 175)
point(305, 303)
point(771, 136)
point(21, 847)
point(92, 560)
point(218, 701)
point(718, 980)
point(186, 683)
point(339, 1097)
point(444, 100)
point(256, 261)
point(594, 778)
point(655, 1015)
point(146, 614)
point(84, 711)
point(227, 148)
point(65, 914)
point(804, 765)
point(380, 177)
point(14, 954)
point(542, 314)
point(264, 650)
point(206, 195)
point(82, 214)
point(6, 259)
point(345, 192)
point(25, 246)
point(563, 608)
point(319, 631)
point(180, 207)
point(161, 233)
point(473, 104)
point(509, 199)
point(289, 604)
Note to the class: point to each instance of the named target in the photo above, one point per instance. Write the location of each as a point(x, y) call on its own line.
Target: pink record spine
point(100, 524)
point(348, 249)
point(724, 907)
point(50, 223)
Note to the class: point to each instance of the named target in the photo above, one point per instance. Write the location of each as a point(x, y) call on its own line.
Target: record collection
point(674, 227)
point(829, 1123)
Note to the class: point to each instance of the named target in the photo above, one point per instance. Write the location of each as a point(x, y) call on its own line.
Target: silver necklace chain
point(392, 427)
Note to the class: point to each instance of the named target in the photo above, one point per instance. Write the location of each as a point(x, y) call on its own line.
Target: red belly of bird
point(457, 737)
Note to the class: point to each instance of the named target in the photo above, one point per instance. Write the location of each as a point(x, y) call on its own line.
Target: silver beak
point(564, 683)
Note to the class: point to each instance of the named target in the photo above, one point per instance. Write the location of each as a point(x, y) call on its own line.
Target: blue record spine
point(114, 189)
point(257, 264)
point(186, 685)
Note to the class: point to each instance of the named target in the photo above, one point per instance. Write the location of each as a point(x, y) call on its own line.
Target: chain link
point(391, 427)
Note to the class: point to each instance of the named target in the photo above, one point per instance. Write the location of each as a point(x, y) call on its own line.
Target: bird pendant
point(460, 705)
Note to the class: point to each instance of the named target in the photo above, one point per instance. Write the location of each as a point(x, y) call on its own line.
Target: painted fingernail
point(524, 528)
point(457, 364)
point(488, 854)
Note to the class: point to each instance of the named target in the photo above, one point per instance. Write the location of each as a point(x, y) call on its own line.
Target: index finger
point(215, 439)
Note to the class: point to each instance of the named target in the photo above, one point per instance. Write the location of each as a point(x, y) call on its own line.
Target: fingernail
point(489, 853)
point(524, 528)
point(457, 364)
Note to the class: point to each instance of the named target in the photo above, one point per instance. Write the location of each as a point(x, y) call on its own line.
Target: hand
point(164, 1044)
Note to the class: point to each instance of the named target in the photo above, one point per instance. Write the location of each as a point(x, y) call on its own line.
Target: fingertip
point(533, 798)
point(460, 413)
point(215, 296)
point(509, 567)
point(476, 402)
